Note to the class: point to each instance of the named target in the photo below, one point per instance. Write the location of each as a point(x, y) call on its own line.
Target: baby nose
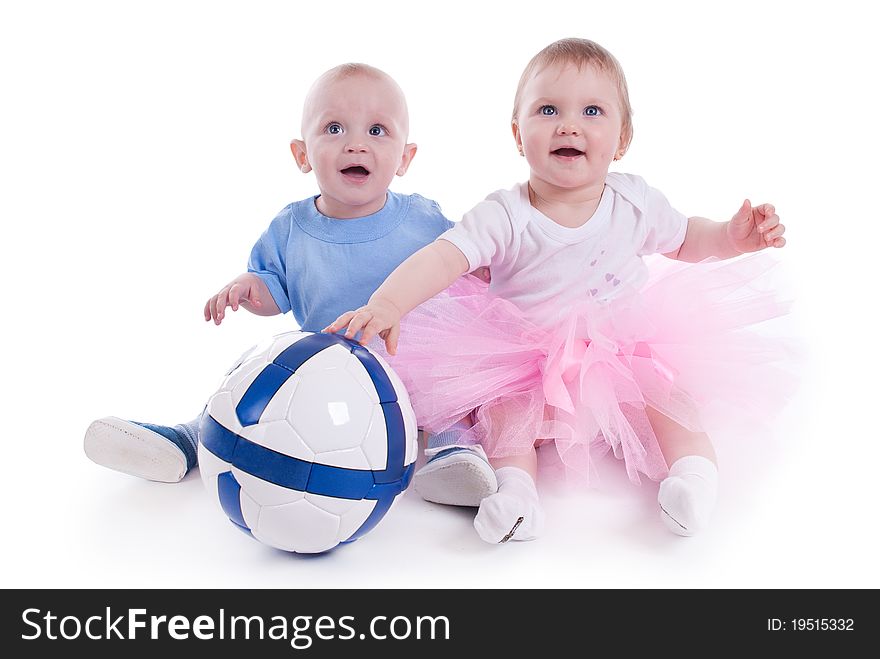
point(356, 148)
point(568, 129)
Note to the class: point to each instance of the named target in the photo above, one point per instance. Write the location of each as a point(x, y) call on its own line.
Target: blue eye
point(547, 110)
point(334, 128)
point(377, 130)
point(592, 111)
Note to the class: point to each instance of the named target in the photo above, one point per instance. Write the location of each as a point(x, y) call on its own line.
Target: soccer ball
point(308, 441)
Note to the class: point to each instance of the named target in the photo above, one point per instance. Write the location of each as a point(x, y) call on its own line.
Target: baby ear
point(516, 137)
point(623, 145)
point(298, 149)
point(409, 152)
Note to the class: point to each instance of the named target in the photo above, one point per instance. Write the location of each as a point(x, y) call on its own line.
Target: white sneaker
point(457, 476)
point(156, 453)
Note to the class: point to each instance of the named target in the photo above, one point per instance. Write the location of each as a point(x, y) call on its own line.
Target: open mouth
point(356, 171)
point(567, 152)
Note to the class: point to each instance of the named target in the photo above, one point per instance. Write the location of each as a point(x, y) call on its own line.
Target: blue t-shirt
point(319, 267)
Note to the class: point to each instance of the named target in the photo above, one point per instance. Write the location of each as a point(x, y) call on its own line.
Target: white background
point(143, 149)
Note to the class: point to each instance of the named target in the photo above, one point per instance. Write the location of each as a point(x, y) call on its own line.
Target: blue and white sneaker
point(146, 450)
point(456, 476)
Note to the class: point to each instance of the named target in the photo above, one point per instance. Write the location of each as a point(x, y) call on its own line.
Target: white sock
point(687, 495)
point(514, 512)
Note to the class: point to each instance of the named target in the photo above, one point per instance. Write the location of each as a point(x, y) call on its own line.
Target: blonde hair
point(581, 53)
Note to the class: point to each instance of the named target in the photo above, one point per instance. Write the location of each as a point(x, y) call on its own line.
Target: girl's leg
point(514, 512)
point(687, 495)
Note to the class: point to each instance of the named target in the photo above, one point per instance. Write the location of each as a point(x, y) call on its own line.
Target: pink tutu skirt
point(689, 339)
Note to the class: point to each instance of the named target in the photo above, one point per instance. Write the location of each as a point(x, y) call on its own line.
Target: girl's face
point(569, 125)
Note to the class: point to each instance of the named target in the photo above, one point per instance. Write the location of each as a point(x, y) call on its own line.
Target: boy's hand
point(379, 316)
point(753, 229)
point(243, 291)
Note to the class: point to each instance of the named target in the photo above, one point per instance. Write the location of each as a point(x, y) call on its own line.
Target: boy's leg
point(146, 450)
point(457, 472)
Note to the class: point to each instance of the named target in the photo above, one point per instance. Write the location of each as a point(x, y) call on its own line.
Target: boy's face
point(569, 125)
point(354, 138)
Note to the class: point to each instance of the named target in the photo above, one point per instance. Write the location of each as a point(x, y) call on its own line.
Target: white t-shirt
point(538, 264)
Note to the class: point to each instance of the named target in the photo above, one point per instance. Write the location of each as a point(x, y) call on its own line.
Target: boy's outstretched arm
point(750, 230)
point(248, 291)
point(424, 274)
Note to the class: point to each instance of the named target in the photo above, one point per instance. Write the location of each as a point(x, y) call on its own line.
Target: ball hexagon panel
point(278, 526)
point(329, 409)
point(280, 437)
point(278, 408)
point(359, 374)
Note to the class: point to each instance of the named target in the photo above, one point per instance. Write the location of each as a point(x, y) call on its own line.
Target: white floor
point(136, 179)
point(796, 516)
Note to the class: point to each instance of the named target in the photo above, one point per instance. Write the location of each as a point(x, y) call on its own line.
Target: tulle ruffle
point(688, 341)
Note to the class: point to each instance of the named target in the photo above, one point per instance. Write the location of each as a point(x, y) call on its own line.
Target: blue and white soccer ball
point(308, 441)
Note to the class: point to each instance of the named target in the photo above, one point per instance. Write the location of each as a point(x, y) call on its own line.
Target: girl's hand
point(379, 316)
point(243, 290)
point(483, 274)
point(753, 229)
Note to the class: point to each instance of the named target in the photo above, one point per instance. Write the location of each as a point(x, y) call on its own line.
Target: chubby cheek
point(602, 145)
point(387, 165)
point(322, 163)
point(535, 144)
